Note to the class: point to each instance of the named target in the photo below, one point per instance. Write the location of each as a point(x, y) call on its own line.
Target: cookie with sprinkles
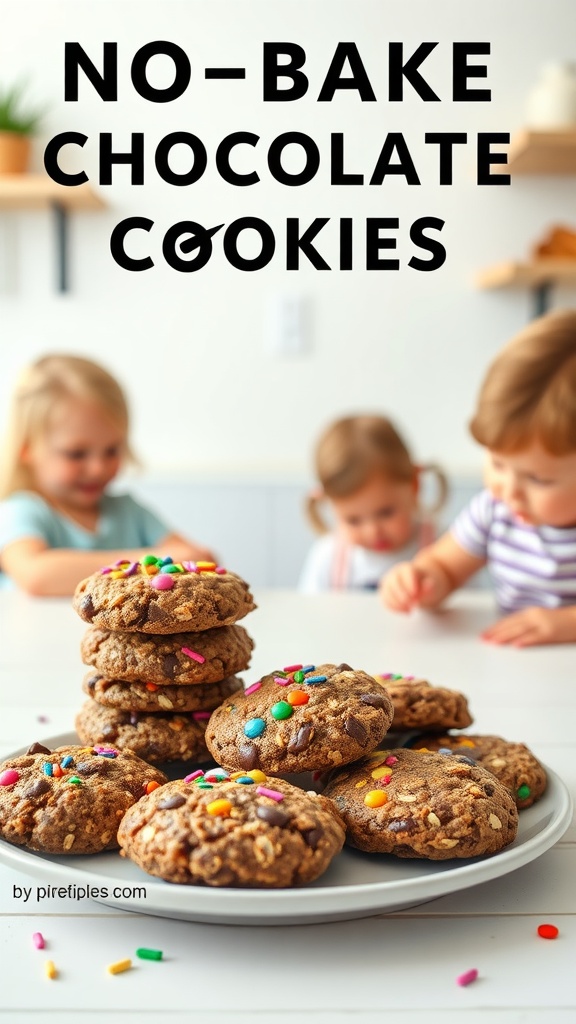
point(243, 830)
point(140, 696)
point(155, 737)
point(419, 705)
point(158, 595)
point(513, 764)
point(423, 804)
point(71, 799)
point(170, 658)
point(300, 718)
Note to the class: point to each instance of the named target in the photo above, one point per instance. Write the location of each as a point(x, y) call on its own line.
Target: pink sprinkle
point(272, 793)
point(9, 777)
point(105, 750)
point(132, 568)
point(199, 716)
point(409, 678)
point(253, 688)
point(194, 775)
point(38, 940)
point(43, 718)
point(384, 781)
point(467, 977)
point(283, 682)
point(163, 581)
point(190, 566)
point(391, 760)
point(106, 569)
point(220, 570)
point(386, 675)
point(292, 668)
point(193, 655)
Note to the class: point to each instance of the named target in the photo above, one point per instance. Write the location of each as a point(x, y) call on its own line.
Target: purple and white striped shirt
point(529, 565)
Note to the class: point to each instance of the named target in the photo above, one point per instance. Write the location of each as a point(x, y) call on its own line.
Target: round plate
point(355, 885)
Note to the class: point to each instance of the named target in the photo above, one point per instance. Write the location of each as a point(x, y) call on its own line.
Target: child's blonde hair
point(351, 450)
point(41, 386)
point(529, 392)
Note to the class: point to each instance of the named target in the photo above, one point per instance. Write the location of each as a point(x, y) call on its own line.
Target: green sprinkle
point(204, 785)
point(149, 954)
point(171, 568)
point(299, 677)
point(281, 710)
point(523, 792)
point(149, 560)
point(75, 780)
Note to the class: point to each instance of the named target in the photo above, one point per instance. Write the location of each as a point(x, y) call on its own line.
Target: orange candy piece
point(296, 697)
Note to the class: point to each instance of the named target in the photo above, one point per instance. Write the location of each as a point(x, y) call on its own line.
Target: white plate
point(355, 885)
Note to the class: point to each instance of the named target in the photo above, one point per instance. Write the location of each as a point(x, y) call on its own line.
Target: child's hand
point(408, 585)
point(534, 626)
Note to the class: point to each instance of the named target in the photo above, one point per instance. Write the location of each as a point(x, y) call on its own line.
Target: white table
point(405, 964)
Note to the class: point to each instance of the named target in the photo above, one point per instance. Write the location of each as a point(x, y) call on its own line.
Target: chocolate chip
point(301, 739)
point(38, 748)
point(312, 837)
point(489, 790)
point(248, 756)
point(402, 825)
point(91, 683)
point(37, 788)
point(356, 730)
point(171, 801)
point(466, 760)
point(154, 613)
point(375, 700)
point(344, 667)
point(96, 767)
point(87, 608)
point(272, 816)
point(169, 665)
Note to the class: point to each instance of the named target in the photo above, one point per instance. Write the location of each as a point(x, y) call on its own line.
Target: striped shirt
point(529, 565)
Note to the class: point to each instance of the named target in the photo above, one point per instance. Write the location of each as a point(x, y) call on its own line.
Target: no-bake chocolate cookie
point(300, 718)
point(154, 737)
point(430, 805)
point(151, 697)
point(513, 764)
point(419, 705)
point(251, 831)
point(180, 658)
point(159, 596)
point(71, 799)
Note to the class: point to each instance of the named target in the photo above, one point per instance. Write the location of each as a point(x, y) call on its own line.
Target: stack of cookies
point(164, 647)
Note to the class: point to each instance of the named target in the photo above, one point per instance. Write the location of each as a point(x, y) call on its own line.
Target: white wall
point(190, 348)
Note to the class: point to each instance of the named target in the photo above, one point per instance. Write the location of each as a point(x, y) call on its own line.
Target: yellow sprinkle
point(220, 808)
point(361, 783)
point(117, 574)
point(466, 743)
point(50, 969)
point(237, 775)
point(375, 798)
point(378, 773)
point(206, 565)
point(119, 966)
point(257, 775)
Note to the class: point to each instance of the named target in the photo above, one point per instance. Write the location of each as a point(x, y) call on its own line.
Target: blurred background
point(231, 375)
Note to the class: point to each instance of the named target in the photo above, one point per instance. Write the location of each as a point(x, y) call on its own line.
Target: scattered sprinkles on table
point(467, 978)
point(548, 931)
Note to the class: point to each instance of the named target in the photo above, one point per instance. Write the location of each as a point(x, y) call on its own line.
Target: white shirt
point(333, 565)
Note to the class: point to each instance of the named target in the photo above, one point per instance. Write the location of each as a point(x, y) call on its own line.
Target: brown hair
point(41, 386)
point(353, 449)
point(529, 392)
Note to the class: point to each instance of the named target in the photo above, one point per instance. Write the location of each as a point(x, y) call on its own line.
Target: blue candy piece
point(445, 750)
point(254, 727)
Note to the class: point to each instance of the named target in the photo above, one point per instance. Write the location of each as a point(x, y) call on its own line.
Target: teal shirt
point(123, 524)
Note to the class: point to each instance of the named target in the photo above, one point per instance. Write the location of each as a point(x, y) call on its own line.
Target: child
point(68, 437)
point(523, 526)
point(368, 478)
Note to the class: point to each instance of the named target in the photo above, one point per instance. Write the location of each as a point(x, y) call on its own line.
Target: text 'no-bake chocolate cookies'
point(164, 651)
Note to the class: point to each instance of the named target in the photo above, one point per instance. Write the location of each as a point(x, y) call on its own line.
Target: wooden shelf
point(527, 275)
point(535, 152)
point(33, 191)
point(39, 192)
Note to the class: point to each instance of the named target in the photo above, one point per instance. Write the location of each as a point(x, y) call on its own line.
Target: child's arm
point(433, 574)
point(54, 572)
point(533, 626)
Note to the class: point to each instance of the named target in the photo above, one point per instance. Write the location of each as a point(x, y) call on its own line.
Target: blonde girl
point(371, 485)
point(67, 440)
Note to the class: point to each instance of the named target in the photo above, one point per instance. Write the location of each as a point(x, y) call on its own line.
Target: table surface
point(404, 963)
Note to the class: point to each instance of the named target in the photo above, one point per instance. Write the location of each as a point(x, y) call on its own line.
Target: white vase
point(552, 102)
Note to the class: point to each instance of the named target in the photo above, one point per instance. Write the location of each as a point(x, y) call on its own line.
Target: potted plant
point(17, 123)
